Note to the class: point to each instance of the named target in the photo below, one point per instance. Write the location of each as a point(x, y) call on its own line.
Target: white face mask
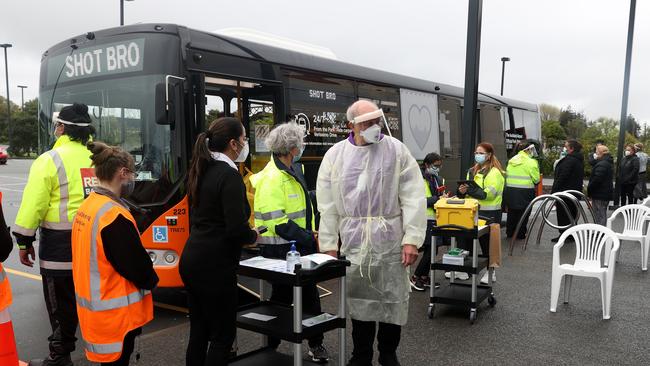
point(243, 154)
point(371, 134)
point(627, 153)
point(595, 156)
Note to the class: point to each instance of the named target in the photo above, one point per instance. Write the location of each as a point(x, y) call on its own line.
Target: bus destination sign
point(106, 59)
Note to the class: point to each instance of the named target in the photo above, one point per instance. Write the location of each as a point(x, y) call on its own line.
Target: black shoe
point(388, 359)
point(521, 237)
point(436, 285)
point(52, 360)
point(354, 362)
point(555, 240)
point(319, 354)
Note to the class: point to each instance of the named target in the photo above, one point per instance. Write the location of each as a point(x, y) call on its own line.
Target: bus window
point(214, 108)
point(450, 138)
point(491, 128)
point(388, 100)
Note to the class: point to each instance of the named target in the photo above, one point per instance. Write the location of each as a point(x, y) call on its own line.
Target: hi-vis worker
point(51, 197)
point(8, 354)
point(487, 173)
point(282, 204)
point(522, 174)
point(113, 274)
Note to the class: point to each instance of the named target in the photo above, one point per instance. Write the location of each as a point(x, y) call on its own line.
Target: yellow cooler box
point(457, 211)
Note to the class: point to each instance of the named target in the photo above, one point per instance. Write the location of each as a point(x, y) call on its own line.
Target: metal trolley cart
point(460, 294)
point(286, 322)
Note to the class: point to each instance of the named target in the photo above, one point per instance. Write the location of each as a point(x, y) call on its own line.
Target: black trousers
point(62, 310)
point(310, 305)
point(513, 219)
point(484, 241)
point(213, 313)
point(127, 348)
point(363, 338)
point(562, 218)
point(425, 262)
point(627, 193)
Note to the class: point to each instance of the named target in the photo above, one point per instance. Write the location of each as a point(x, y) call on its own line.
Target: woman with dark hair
point(219, 216)
point(434, 187)
point(487, 173)
point(629, 175)
point(113, 274)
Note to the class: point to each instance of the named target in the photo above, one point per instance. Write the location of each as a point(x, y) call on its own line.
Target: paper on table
point(276, 265)
point(260, 317)
point(319, 258)
point(317, 319)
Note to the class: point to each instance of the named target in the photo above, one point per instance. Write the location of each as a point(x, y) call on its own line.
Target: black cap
point(75, 114)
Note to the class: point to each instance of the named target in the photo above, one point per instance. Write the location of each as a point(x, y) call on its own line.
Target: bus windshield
point(122, 111)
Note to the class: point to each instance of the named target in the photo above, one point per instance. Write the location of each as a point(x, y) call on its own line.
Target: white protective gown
point(373, 197)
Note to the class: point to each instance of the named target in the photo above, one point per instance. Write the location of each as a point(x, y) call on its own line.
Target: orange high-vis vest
point(108, 305)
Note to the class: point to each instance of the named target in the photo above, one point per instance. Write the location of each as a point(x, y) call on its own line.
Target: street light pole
point(503, 70)
point(626, 89)
point(22, 96)
point(5, 46)
point(122, 11)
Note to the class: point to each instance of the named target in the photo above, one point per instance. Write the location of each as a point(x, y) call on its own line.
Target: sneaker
point(426, 280)
point(416, 283)
point(319, 354)
point(484, 279)
point(388, 359)
point(459, 275)
point(436, 285)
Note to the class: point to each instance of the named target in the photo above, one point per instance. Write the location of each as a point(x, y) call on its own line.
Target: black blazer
point(569, 173)
point(219, 223)
point(630, 169)
point(601, 179)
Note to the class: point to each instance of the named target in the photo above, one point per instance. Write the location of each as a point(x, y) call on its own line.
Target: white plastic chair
point(646, 202)
point(591, 241)
point(634, 218)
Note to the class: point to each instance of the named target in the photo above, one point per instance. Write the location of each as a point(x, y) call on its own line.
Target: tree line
point(560, 124)
point(22, 133)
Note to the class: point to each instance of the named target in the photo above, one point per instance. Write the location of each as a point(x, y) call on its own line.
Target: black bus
point(147, 86)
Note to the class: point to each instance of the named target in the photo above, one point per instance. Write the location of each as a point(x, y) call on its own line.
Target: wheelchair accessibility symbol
point(160, 234)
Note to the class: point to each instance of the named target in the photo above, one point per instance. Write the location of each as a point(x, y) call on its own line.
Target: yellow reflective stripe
point(297, 215)
point(269, 215)
point(492, 189)
point(489, 207)
point(520, 185)
point(523, 177)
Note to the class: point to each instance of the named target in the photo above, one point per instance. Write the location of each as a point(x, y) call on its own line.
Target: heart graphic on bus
point(420, 123)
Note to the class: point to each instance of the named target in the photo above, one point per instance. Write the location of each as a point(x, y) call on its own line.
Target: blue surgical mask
point(434, 170)
point(297, 157)
point(479, 158)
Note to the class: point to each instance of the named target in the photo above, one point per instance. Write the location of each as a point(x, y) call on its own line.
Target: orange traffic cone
point(8, 354)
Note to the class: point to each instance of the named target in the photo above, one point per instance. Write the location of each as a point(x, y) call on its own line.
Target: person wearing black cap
point(53, 193)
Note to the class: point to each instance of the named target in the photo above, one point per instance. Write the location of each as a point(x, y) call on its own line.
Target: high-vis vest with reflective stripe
point(108, 305)
point(492, 185)
point(278, 198)
point(54, 188)
point(522, 171)
point(5, 289)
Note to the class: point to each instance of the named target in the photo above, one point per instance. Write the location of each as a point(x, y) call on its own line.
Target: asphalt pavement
point(518, 330)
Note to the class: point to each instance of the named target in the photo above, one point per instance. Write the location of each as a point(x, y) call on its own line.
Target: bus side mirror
point(167, 104)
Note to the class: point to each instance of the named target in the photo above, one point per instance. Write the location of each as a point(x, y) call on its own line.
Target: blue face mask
point(297, 157)
point(479, 158)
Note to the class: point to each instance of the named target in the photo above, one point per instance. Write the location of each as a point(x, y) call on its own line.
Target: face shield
point(532, 151)
point(371, 134)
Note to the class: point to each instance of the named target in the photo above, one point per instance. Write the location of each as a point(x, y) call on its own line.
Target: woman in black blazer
point(219, 218)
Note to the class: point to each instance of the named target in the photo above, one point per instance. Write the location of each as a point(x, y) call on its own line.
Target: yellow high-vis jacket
point(54, 189)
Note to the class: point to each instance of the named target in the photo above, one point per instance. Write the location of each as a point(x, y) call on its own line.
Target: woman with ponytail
point(487, 173)
point(219, 216)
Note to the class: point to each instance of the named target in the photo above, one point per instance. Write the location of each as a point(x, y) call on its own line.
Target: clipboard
point(472, 184)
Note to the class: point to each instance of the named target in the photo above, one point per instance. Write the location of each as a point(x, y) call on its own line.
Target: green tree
point(575, 128)
point(24, 136)
point(212, 115)
point(4, 135)
point(632, 126)
point(568, 114)
point(553, 133)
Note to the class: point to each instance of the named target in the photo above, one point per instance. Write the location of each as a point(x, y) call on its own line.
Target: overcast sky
point(564, 52)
